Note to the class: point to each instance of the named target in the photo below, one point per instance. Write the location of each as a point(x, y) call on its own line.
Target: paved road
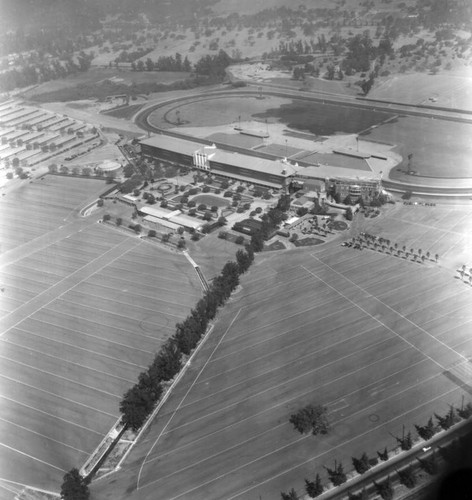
point(399, 462)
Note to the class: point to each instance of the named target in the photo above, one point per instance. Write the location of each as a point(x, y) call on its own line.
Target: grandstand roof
point(173, 144)
point(245, 178)
point(274, 167)
point(344, 163)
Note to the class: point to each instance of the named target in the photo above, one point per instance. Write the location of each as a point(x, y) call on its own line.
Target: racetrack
point(444, 159)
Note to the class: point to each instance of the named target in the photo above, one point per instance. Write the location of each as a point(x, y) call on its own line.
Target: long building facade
point(278, 174)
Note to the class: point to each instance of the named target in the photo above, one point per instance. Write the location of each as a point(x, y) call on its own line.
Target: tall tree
point(427, 431)
point(311, 418)
point(291, 495)
point(407, 477)
point(314, 488)
point(167, 362)
point(74, 486)
point(361, 464)
point(337, 475)
point(385, 489)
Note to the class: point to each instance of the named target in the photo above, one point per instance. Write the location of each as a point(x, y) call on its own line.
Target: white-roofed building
point(174, 217)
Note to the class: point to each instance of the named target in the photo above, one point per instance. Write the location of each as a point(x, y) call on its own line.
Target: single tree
point(312, 418)
point(361, 464)
point(167, 362)
point(428, 431)
point(429, 464)
point(465, 412)
point(74, 486)
point(337, 475)
point(314, 488)
point(383, 455)
point(407, 477)
point(448, 420)
point(385, 489)
point(406, 442)
point(291, 495)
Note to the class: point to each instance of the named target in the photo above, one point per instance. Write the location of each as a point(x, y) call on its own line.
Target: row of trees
point(131, 56)
point(32, 74)
point(139, 401)
point(366, 240)
point(164, 63)
point(304, 419)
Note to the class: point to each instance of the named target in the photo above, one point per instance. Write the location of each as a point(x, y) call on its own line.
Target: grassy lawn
point(210, 200)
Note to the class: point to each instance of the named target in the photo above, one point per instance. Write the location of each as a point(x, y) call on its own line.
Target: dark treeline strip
point(208, 70)
point(139, 401)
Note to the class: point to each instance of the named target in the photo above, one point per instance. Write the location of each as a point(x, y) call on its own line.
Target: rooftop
point(173, 144)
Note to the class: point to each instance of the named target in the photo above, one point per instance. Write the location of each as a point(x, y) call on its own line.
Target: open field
point(42, 206)
point(374, 337)
point(84, 308)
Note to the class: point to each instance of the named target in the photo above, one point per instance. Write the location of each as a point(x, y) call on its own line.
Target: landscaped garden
point(211, 200)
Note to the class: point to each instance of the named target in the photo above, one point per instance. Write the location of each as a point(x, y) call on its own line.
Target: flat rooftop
point(173, 144)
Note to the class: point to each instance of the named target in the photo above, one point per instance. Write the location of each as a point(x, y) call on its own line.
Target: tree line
point(313, 419)
point(164, 63)
point(140, 400)
point(34, 73)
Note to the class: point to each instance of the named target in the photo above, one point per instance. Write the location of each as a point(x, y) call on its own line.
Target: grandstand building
point(274, 174)
point(277, 174)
